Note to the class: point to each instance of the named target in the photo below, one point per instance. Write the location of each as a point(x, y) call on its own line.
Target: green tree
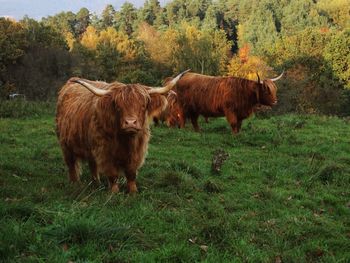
point(62, 22)
point(156, 43)
point(198, 8)
point(126, 17)
point(310, 84)
point(120, 41)
point(337, 54)
point(82, 21)
point(226, 14)
point(12, 47)
point(337, 12)
point(258, 31)
point(107, 17)
point(150, 11)
point(210, 19)
point(84, 62)
point(109, 61)
point(204, 51)
point(176, 11)
point(307, 43)
point(35, 59)
point(300, 14)
point(46, 63)
point(12, 42)
point(39, 34)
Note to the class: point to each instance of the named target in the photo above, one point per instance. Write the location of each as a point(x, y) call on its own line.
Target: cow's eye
point(267, 90)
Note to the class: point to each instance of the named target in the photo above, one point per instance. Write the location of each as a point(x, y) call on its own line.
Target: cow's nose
point(130, 122)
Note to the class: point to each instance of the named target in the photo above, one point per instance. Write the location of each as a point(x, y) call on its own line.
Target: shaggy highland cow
point(107, 124)
point(234, 98)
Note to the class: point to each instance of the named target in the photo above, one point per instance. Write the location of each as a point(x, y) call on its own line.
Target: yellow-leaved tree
point(90, 38)
point(70, 39)
point(337, 10)
point(203, 50)
point(159, 45)
point(120, 40)
point(186, 46)
point(245, 66)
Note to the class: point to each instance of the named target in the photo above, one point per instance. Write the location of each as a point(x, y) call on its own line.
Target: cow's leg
point(232, 119)
point(113, 181)
point(206, 119)
point(73, 165)
point(131, 178)
point(194, 121)
point(93, 170)
point(181, 118)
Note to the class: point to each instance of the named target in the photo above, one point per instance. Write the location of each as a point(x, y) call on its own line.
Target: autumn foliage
point(147, 44)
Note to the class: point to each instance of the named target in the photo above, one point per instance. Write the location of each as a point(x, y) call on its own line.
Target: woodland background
point(282, 194)
point(308, 39)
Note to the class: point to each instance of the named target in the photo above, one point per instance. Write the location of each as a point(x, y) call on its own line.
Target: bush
point(138, 76)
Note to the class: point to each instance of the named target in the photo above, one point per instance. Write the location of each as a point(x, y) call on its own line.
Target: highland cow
point(107, 124)
point(234, 98)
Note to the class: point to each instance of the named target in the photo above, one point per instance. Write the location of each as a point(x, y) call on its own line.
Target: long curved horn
point(259, 81)
point(169, 86)
point(92, 88)
point(277, 78)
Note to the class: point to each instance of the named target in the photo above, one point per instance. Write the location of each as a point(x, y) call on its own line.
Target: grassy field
point(281, 195)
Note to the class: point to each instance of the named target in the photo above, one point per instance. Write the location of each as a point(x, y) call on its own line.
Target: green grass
point(281, 194)
point(20, 108)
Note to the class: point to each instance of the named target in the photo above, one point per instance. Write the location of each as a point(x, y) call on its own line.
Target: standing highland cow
point(107, 125)
point(234, 98)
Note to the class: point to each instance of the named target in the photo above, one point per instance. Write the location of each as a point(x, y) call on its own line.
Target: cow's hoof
point(115, 188)
point(132, 188)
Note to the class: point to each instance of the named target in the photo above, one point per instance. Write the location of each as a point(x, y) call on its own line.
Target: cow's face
point(172, 120)
point(174, 114)
point(157, 106)
point(131, 103)
point(133, 107)
point(268, 93)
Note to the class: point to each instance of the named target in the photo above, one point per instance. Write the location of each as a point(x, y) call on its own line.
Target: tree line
point(308, 39)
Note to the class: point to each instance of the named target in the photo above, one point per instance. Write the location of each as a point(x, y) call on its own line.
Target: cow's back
point(203, 94)
point(74, 114)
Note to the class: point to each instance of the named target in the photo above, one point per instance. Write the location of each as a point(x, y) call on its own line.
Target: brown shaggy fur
point(91, 128)
point(169, 115)
point(232, 97)
point(159, 113)
point(172, 117)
